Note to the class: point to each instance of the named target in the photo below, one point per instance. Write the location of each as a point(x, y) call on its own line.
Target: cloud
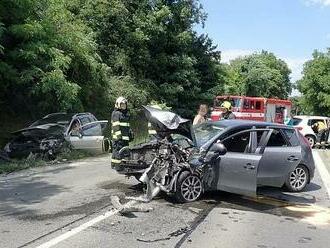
point(228, 55)
point(317, 2)
point(296, 67)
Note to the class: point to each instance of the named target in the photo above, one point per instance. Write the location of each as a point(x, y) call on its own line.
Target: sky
point(291, 29)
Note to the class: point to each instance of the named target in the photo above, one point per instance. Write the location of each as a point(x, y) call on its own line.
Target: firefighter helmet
point(119, 101)
point(226, 105)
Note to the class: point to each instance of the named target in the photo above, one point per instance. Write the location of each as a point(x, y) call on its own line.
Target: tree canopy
point(79, 55)
point(259, 74)
point(315, 84)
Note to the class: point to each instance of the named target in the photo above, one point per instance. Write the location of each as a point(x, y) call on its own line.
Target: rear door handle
point(293, 158)
point(249, 166)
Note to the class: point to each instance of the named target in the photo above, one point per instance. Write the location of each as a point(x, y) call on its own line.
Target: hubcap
point(311, 141)
point(298, 178)
point(191, 188)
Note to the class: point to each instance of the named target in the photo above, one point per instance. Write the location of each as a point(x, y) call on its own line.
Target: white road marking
point(323, 171)
point(78, 229)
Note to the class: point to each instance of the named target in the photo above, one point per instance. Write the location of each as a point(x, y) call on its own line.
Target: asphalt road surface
point(69, 206)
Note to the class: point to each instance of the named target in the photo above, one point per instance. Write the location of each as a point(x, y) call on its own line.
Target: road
point(69, 206)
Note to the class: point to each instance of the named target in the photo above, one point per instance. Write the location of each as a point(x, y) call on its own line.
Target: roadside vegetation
point(33, 160)
point(80, 55)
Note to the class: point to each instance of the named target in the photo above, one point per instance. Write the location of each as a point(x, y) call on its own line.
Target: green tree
point(259, 74)
point(315, 84)
point(49, 60)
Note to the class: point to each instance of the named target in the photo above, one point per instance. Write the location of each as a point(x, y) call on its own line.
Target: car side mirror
point(218, 148)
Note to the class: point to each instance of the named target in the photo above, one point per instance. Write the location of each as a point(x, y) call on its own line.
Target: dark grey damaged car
point(57, 131)
point(232, 155)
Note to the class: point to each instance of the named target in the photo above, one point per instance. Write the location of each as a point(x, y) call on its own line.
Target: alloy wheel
point(311, 140)
point(191, 188)
point(298, 179)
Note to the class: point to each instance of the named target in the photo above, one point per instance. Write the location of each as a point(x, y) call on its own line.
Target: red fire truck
point(254, 108)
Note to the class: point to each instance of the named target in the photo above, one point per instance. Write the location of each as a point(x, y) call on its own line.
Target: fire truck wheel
point(311, 140)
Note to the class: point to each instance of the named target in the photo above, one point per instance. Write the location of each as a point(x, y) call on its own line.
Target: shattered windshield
point(206, 131)
point(63, 119)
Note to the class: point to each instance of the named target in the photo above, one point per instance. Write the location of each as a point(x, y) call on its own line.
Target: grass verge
point(33, 161)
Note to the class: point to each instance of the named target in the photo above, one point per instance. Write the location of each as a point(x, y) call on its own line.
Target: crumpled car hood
point(169, 122)
point(45, 130)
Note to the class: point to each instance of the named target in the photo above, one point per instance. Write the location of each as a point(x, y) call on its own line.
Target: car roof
point(246, 123)
point(311, 116)
point(66, 114)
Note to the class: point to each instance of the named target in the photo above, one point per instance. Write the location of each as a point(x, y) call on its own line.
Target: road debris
point(171, 235)
point(129, 207)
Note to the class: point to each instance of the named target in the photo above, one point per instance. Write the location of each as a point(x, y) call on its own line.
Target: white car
point(304, 124)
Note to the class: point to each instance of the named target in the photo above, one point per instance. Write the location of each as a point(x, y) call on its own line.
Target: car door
point(238, 167)
point(90, 137)
point(280, 156)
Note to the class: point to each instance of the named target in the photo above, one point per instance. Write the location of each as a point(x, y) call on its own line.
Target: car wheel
point(189, 187)
point(297, 179)
point(311, 140)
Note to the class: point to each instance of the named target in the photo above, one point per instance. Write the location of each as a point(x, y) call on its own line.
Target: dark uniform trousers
point(121, 135)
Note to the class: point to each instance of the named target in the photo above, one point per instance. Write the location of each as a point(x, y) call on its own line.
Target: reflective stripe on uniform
point(115, 161)
point(116, 123)
point(149, 124)
point(122, 124)
point(114, 136)
point(125, 138)
point(152, 132)
point(118, 133)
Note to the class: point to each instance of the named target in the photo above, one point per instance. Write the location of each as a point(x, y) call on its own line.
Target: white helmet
point(119, 101)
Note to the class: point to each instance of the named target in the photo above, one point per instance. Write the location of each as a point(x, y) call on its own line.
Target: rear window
point(295, 121)
point(292, 137)
point(276, 139)
point(311, 122)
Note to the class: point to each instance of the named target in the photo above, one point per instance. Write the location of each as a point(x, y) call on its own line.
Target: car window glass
point(258, 105)
point(292, 137)
point(295, 121)
point(311, 122)
point(237, 143)
point(75, 128)
point(276, 139)
point(84, 120)
point(92, 118)
point(92, 130)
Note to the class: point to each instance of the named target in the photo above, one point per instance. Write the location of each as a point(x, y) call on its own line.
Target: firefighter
point(226, 114)
point(121, 131)
point(320, 129)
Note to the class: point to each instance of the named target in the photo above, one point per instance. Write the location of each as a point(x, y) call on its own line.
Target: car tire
point(297, 179)
point(311, 139)
point(189, 187)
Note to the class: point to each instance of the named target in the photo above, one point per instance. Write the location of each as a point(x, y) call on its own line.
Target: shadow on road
point(17, 195)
